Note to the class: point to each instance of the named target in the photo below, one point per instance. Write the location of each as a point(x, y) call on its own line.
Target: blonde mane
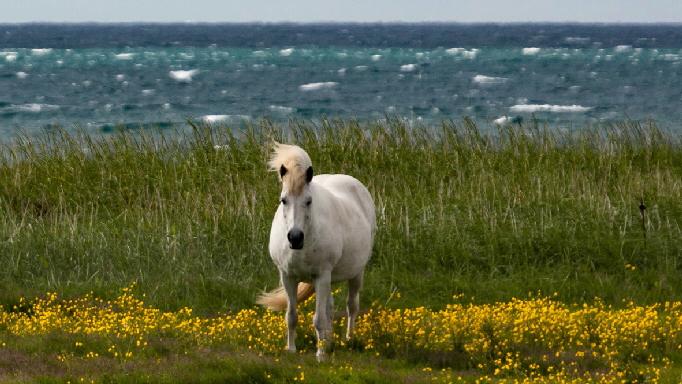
point(296, 161)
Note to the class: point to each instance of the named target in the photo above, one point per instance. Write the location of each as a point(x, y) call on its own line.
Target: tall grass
point(490, 215)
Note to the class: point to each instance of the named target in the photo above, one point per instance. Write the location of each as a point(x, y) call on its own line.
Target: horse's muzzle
point(295, 237)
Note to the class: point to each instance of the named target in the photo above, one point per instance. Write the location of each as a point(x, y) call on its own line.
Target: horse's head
point(296, 172)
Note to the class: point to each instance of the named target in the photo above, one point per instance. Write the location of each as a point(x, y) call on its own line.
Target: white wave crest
point(317, 86)
point(375, 57)
point(183, 76)
point(531, 51)
point(32, 108)
point(282, 109)
point(120, 77)
point(504, 120)
point(530, 108)
point(454, 51)
point(286, 52)
point(622, 48)
point(124, 56)
point(408, 68)
point(470, 54)
point(22, 75)
point(11, 56)
point(223, 118)
point(482, 79)
point(40, 51)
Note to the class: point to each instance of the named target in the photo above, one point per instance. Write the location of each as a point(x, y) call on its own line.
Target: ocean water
point(98, 77)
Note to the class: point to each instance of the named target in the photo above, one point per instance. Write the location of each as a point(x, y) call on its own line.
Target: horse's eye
point(283, 200)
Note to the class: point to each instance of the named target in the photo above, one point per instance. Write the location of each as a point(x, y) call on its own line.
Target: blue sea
point(101, 76)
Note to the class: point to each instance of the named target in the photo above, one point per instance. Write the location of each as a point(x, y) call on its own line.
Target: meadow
point(577, 226)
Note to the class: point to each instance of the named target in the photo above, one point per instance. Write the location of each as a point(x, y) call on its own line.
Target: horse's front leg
point(322, 316)
point(291, 287)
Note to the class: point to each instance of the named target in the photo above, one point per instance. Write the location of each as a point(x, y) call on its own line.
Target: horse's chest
point(300, 266)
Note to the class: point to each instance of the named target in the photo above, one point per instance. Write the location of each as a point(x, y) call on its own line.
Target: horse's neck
point(325, 206)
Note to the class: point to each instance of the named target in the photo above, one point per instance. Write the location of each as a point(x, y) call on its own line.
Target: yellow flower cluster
point(539, 339)
point(534, 340)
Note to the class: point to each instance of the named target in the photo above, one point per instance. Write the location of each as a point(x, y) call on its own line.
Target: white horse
point(323, 232)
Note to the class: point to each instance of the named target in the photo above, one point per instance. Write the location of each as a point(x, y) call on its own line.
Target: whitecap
point(223, 118)
point(22, 75)
point(471, 54)
point(482, 79)
point(531, 51)
point(147, 92)
point(259, 53)
point(408, 67)
point(281, 109)
point(40, 51)
point(33, 108)
point(530, 108)
point(454, 51)
point(419, 55)
point(60, 62)
point(86, 83)
point(341, 71)
point(286, 52)
point(124, 56)
point(120, 77)
point(375, 57)
point(11, 57)
point(503, 120)
point(360, 68)
point(622, 48)
point(183, 76)
point(166, 106)
point(317, 86)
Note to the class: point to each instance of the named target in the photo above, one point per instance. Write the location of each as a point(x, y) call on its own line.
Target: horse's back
point(351, 191)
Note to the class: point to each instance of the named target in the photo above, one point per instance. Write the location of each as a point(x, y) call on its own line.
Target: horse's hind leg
point(354, 286)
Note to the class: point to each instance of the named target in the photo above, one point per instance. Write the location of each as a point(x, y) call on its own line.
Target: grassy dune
point(491, 216)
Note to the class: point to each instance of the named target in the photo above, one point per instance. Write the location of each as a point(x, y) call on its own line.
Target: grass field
point(483, 215)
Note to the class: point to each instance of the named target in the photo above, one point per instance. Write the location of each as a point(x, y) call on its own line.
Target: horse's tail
point(276, 300)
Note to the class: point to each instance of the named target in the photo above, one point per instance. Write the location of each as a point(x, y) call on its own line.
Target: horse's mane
point(295, 160)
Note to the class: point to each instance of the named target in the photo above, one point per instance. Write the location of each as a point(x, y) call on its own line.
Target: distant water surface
point(101, 76)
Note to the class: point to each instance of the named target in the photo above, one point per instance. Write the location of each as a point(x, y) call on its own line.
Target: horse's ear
point(309, 174)
point(282, 171)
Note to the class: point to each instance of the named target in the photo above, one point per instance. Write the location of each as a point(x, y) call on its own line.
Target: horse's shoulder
point(349, 192)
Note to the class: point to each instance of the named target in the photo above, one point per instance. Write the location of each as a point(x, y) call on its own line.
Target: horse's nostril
point(295, 237)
